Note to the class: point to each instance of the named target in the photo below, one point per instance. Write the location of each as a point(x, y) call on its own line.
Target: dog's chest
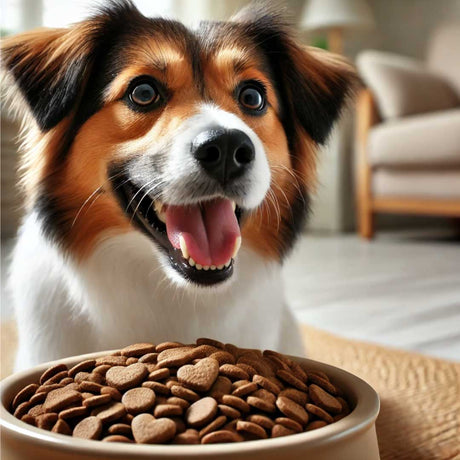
point(128, 297)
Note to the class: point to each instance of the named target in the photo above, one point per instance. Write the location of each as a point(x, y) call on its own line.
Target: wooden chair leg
point(366, 223)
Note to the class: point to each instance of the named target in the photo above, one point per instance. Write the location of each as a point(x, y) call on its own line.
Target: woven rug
point(420, 396)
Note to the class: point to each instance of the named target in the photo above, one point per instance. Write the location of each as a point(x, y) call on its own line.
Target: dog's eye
point(144, 94)
point(252, 98)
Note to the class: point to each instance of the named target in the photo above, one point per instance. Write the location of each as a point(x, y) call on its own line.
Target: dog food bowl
point(351, 438)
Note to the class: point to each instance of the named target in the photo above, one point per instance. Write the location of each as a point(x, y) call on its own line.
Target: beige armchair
point(408, 132)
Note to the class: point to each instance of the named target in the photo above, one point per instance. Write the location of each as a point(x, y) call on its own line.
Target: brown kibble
point(223, 357)
point(59, 399)
point(321, 413)
point(62, 427)
point(112, 392)
point(201, 376)
point(124, 378)
point(73, 412)
point(233, 372)
point(137, 349)
point(289, 423)
point(297, 396)
point(222, 386)
point(138, 400)
point(148, 430)
point(250, 427)
point(84, 366)
point(292, 410)
point(167, 410)
point(261, 404)
point(236, 402)
point(262, 420)
point(290, 378)
point(184, 393)
point(88, 428)
point(97, 400)
point(189, 436)
point(120, 428)
point(213, 426)
point(280, 430)
point(315, 425)
point(50, 372)
point(324, 384)
point(109, 412)
point(158, 387)
point(266, 384)
point(201, 412)
point(229, 411)
point(175, 357)
point(324, 400)
point(116, 438)
point(244, 389)
point(159, 374)
point(178, 402)
point(111, 360)
point(24, 395)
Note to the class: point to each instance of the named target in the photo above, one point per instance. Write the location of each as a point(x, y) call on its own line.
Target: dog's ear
point(312, 84)
point(51, 67)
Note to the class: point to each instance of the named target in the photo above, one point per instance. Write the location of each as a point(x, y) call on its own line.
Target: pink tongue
point(210, 231)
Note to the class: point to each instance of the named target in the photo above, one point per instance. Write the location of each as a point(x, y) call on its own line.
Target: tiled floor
point(401, 290)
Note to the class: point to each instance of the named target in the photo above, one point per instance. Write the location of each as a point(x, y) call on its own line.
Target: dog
point(167, 174)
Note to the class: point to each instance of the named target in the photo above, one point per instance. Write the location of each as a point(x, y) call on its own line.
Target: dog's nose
point(224, 153)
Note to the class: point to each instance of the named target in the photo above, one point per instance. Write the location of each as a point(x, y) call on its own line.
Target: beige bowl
point(352, 438)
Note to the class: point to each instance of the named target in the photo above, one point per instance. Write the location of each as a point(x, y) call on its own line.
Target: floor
point(401, 290)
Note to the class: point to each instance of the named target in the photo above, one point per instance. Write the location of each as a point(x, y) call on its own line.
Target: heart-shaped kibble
point(60, 398)
point(147, 429)
point(200, 376)
point(123, 378)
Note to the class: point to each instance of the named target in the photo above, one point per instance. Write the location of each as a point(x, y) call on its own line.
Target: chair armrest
point(404, 86)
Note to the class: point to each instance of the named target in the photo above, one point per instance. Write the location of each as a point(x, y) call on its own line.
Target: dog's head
point(198, 139)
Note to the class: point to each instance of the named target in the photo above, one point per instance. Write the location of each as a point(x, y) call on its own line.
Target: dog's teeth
point(237, 246)
point(205, 267)
point(158, 206)
point(228, 263)
point(198, 266)
point(191, 262)
point(220, 267)
point(183, 247)
point(233, 205)
point(212, 267)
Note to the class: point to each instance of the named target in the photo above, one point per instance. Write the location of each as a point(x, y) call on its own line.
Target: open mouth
point(201, 240)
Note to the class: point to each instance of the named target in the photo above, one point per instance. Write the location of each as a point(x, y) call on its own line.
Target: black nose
point(224, 153)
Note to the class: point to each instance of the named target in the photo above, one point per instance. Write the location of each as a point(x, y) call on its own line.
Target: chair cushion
point(429, 140)
point(404, 86)
point(442, 184)
point(444, 54)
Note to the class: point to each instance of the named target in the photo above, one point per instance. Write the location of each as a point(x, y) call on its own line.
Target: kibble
point(176, 393)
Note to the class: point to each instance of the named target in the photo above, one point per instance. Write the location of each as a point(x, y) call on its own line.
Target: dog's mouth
point(201, 240)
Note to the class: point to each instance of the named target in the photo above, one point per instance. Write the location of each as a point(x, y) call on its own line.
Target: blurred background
point(380, 258)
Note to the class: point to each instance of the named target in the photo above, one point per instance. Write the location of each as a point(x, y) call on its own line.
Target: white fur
point(122, 295)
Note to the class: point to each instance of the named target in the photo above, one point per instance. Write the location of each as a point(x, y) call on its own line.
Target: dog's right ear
point(50, 67)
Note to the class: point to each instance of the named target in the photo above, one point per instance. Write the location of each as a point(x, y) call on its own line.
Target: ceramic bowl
point(354, 437)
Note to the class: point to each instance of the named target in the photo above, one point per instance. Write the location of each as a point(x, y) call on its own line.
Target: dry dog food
point(205, 393)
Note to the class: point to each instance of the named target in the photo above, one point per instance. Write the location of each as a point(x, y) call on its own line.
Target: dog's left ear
point(312, 84)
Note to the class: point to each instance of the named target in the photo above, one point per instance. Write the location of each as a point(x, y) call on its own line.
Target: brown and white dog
point(152, 153)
